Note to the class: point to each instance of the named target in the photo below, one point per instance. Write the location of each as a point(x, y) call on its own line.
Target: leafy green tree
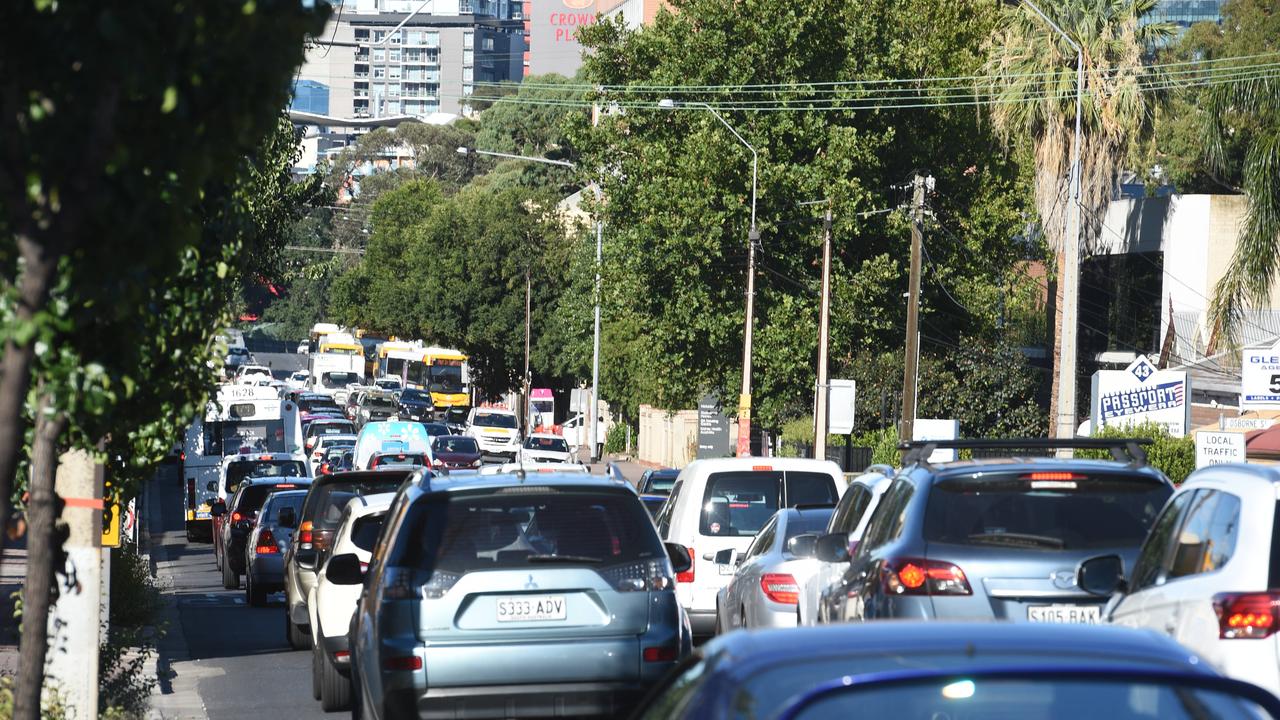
point(123, 130)
point(532, 129)
point(1031, 78)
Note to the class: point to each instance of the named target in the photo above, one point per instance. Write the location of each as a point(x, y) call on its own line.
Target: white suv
point(496, 430)
point(331, 601)
point(1207, 573)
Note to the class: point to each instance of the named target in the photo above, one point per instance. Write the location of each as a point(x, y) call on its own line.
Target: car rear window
point(331, 428)
point(241, 469)
point(526, 526)
point(365, 531)
point(326, 501)
point(283, 499)
point(662, 481)
point(808, 521)
point(1044, 510)
point(254, 496)
point(455, 444)
point(739, 503)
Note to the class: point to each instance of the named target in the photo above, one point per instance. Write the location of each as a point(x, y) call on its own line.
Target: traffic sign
point(111, 524)
point(841, 401)
point(1216, 448)
point(1260, 378)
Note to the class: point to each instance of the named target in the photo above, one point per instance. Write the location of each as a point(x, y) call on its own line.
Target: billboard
point(553, 34)
point(842, 398)
point(1140, 393)
point(1260, 378)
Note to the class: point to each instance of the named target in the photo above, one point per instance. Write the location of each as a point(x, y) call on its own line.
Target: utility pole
point(525, 379)
point(913, 314)
point(822, 395)
point(594, 418)
point(744, 400)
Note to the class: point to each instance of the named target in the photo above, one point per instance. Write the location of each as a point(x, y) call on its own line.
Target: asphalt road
point(222, 658)
point(282, 364)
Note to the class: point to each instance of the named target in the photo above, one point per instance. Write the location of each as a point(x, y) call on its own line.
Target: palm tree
point(1252, 107)
point(1030, 77)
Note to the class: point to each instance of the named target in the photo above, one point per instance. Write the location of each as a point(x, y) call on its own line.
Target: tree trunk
point(15, 366)
point(1057, 344)
point(41, 552)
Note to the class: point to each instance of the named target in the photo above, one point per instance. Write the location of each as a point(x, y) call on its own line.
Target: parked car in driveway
point(321, 513)
point(496, 596)
point(950, 670)
point(764, 589)
point(720, 504)
point(332, 599)
point(995, 538)
point(268, 541)
point(1208, 574)
point(237, 518)
point(849, 520)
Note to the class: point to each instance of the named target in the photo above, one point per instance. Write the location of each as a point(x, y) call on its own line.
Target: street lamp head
point(463, 150)
point(667, 104)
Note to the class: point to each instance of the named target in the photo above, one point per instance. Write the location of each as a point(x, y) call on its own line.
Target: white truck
point(337, 363)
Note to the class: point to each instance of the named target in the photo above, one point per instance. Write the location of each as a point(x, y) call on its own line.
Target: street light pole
point(1065, 422)
point(753, 238)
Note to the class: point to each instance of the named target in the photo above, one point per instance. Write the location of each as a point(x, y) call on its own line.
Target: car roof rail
point(1130, 451)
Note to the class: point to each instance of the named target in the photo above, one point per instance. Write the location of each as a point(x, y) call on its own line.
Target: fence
point(667, 437)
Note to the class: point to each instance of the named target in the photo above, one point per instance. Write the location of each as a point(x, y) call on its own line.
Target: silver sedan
point(767, 578)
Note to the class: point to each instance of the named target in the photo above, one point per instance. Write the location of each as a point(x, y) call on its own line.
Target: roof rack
point(1125, 450)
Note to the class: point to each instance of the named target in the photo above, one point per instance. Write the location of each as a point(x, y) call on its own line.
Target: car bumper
point(267, 571)
point(703, 622)
point(540, 700)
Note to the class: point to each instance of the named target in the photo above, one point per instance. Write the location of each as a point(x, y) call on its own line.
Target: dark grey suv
point(995, 538)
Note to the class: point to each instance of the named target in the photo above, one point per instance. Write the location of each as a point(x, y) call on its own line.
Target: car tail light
point(687, 575)
point(640, 576)
point(304, 535)
point(342, 655)
point(1246, 616)
point(236, 517)
point(191, 493)
point(373, 463)
point(402, 662)
point(266, 544)
point(916, 576)
point(780, 588)
point(660, 654)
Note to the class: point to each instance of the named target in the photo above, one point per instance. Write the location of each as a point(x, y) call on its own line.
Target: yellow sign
point(111, 525)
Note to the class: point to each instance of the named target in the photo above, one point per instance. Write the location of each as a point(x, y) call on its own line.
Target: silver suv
point(501, 595)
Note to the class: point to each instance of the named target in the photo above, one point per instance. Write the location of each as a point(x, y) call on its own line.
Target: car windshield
point(548, 444)
point(380, 404)
point(254, 496)
point(241, 469)
point(334, 380)
point(526, 526)
point(1044, 510)
point(446, 378)
point(414, 395)
point(455, 444)
point(1035, 699)
point(496, 420)
point(739, 503)
point(457, 416)
point(662, 481)
point(437, 429)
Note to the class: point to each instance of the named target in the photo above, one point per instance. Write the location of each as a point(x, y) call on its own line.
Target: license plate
point(1086, 614)
point(726, 569)
point(531, 608)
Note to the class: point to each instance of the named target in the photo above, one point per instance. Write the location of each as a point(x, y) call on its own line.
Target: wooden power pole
point(822, 396)
point(913, 314)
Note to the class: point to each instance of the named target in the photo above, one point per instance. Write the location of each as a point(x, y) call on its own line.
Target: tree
point(105, 223)
point(526, 128)
point(1242, 127)
point(678, 188)
point(1031, 79)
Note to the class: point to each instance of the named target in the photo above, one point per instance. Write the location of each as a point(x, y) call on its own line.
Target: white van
point(496, 430)
point(721, 503)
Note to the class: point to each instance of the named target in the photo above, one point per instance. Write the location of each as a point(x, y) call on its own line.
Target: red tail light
point(780, 588)
point(373, 463)
point(304, 535)
point(916, 576)
point(341, 655)
point(266, 544)
point(660, 654)
point(687, 576)
point(191, 493)
point(1246, 616)
point(409, 662)
point(236, 517)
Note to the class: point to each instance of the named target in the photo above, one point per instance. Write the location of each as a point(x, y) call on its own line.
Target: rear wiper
point(562, 559)
point(1018, 539)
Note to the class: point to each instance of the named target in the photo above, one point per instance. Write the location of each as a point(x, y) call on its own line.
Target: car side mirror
point(1101, 576)
point(211, 486)
point(218, 508)
point(803, 546)
point(728, 556)
point(288, 518)
point(833, 548)
point(306, 558)
point(679, 555)
point(344, 570)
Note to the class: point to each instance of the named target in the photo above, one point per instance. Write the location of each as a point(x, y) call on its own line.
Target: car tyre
point(230, 578)
point(335, 688)
point(315, 672)
point(742, 618)
point(357, 698)
point(299, 639)
point(719, 629)
point(253, 594)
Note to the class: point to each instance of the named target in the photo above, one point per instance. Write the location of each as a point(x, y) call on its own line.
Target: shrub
point(615, 440)
point(1175, 457)
point(124, 687)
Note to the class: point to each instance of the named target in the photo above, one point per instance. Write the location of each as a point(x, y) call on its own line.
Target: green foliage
point(1175, 457)
point(615, 440)
point(124, 688)
point(883, 444)
point(531, 129)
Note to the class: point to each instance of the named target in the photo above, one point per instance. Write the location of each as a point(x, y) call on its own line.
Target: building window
point(379, 35)
point(465, 7)
point(394, 72)
point(379, 71)
point(415, 37)
point(362, 34)
point(466, 90)
point(468, 40)
point(468, 57)
point(394, 54)
point(379, 54)
point(487, 43)
point(467, 75)
point(393, 90)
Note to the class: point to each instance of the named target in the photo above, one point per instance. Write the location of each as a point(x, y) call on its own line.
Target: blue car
point(514, 595)
point(949, 670)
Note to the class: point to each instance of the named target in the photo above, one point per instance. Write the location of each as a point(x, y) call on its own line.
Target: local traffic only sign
point(1216, 448)
point(1260, 378)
